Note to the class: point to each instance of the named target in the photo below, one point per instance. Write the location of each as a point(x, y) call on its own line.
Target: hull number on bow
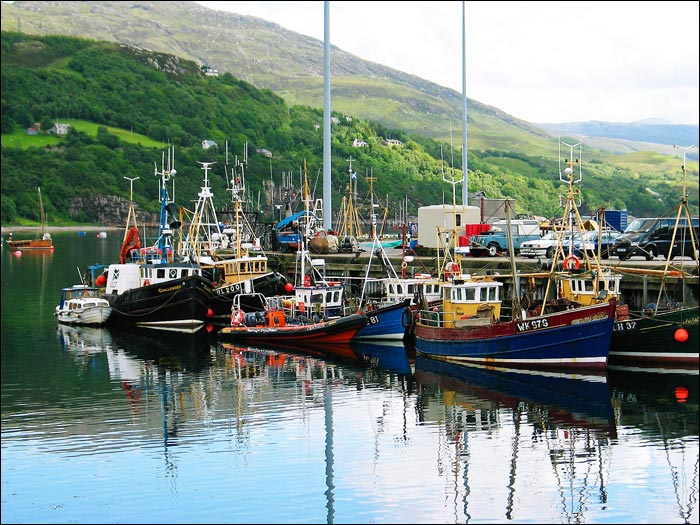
point(534, 324)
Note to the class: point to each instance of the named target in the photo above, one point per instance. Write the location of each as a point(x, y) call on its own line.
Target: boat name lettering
point(589, 318)
point(372, 319)
point(534, 324)
point(171, 288)
point(692, 320)
point(221, 290)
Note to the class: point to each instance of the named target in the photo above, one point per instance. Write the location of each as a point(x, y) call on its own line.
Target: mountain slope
point(290, 64)
point(169, 100)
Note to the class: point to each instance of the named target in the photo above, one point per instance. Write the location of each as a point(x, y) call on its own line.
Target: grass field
point(20, 139)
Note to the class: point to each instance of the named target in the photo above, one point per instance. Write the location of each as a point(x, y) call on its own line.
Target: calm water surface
point(114, 426)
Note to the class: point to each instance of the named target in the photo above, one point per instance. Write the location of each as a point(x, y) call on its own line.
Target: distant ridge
point(647, 131)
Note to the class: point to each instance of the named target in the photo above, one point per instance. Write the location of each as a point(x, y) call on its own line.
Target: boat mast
point(682, 210)
point(131, 216)
point(42, 216)
point(165, 240)
point(516, 309)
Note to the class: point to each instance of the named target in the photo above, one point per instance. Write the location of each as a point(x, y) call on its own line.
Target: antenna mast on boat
point(682, 210)
point(454, 238)
point(132, 213)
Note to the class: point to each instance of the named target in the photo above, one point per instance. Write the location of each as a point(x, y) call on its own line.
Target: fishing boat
point(664, 332)
point(273, 325)
point(150, 286)
point(467, 327)
point(43, 239)
point(83, 305)
point(229, 253)
point(387, 317)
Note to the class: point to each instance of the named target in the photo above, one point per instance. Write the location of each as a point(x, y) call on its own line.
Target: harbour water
point(111, 426)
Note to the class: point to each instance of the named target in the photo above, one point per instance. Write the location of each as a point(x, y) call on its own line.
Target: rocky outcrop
point(106, 210)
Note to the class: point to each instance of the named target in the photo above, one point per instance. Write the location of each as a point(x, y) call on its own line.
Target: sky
point(543, 62)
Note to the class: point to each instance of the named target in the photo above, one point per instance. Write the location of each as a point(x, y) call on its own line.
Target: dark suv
point(654, 238)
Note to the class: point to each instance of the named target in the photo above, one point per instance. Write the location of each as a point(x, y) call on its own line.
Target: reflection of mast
point(328, 412)
point(517, 416)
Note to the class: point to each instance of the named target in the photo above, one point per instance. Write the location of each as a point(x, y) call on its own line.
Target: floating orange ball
point(681, 335)
point(288, 287)
point(101, 280)
point(210, 312)
point(681, 394)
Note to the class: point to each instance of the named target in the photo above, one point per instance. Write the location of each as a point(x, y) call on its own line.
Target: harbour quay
point(642, 280)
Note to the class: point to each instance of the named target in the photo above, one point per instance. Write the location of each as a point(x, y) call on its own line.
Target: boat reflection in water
point(84, 340)
point(388, 355)
point(573, 399)
point(662, 405)
point(176, 349)
point(528, 418)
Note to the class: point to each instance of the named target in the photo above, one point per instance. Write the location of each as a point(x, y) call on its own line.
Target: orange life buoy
point(571, 262)
point(147, 282)
point(237, 317)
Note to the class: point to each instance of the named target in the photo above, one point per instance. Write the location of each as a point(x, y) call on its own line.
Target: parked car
point(608, 240)
point(546, 245)
point(654, 237)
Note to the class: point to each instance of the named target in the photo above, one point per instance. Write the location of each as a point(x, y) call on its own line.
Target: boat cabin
point(470, 301)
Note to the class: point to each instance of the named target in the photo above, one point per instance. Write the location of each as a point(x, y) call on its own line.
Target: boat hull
point(577, 338)
point(653, 340)
point(91, 315)
point(179, 303)
point(387, 323)
point(269, 284)
point(340, 330)
point(31, 244)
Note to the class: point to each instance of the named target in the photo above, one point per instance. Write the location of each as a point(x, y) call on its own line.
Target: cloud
point(539, 61)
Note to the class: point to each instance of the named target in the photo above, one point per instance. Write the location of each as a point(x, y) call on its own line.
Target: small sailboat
point(43, 239)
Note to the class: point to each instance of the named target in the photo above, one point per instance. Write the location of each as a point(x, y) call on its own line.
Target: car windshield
point(639, 225)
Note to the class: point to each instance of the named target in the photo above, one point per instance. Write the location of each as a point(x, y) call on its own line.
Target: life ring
point(237, 317)
point(147, 282)
point(404, 265)
point(571, 262)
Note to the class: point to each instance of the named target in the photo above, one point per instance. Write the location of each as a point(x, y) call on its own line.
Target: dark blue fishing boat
point(386, 322)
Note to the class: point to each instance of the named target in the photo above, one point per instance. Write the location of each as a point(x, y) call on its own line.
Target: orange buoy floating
point(210, 312)
point(681, 335)
point(288, 287)
point(681, 394)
